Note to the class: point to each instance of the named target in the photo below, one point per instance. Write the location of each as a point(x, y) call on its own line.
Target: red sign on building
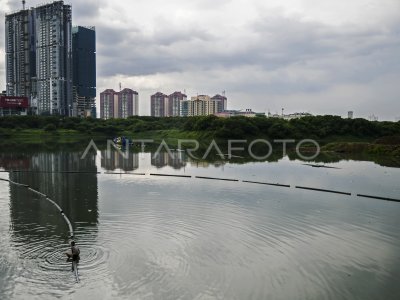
point(13, 102)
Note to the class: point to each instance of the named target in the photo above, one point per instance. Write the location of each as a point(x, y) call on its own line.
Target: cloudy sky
point(317, 56)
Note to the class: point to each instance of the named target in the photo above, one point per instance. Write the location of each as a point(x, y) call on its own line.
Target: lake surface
point(157, 237)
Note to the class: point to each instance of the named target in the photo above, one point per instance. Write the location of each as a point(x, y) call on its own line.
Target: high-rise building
point(39, 59)
point(174, 103)
point(121, 104)
point(159, 105)
point(185, 106)
point(177, 104)
point(200, 106)
point(109, 104)
point(54, 58)
point(84, 71)
point(128, 103)
point(220, 103)
point(203, 105)
point(20, 54)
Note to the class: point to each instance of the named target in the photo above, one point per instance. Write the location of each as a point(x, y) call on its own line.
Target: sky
point(316, 56)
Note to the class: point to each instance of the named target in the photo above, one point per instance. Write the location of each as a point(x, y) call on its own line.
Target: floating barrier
point(320, 166)
point(123, 173)
point(19, 184)
point(379, 198)
point(322, 190)
point(37, 192)
point(53, 172)
point(71, 231)
point(170, 175)
point(214, 178)
point(267, 183)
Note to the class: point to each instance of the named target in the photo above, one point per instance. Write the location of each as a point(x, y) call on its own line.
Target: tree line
point(317, 127)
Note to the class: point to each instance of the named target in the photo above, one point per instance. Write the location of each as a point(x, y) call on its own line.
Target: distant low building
point(244, 113)
point(13, 105)
point(350, 115)
point(289, 116)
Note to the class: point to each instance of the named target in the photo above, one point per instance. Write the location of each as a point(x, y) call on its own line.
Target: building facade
point(121, 104)
point(159, 105)
point(84, 71)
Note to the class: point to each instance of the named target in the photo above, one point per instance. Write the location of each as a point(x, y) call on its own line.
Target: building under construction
point(39, 60)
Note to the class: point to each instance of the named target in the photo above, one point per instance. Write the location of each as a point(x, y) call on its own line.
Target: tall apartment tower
point(200, 105)
point(159, 105)
point(121, 104)
point(39, 57)
point(108, 104)
point(84, 71)
point(128, 103)
point(203, 105)
point(220, 103)
point(20, 54)
point(174, 103)
point(54, 58)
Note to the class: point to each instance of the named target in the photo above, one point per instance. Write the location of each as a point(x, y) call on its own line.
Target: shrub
point(50, 128)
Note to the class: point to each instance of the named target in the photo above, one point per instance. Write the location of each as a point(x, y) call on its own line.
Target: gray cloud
point(255, 51)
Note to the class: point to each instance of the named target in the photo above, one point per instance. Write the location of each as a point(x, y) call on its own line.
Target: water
point(148, 237)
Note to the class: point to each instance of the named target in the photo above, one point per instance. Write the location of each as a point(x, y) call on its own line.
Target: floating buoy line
point(196, 177)
point(70, 228)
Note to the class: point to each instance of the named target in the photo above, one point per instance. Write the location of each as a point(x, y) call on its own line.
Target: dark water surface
point(148, 237)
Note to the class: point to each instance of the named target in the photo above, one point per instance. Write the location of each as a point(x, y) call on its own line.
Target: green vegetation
point(337, 134)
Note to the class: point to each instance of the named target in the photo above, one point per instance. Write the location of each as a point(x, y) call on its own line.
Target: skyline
point(324, 58)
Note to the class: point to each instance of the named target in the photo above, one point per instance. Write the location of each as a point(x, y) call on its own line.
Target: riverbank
point(333, 133)
point(360, 148)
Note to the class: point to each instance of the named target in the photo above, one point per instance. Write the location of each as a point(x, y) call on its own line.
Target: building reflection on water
point(49, 173)
point(130, 161)
point(113, 160)
point(176, 159)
